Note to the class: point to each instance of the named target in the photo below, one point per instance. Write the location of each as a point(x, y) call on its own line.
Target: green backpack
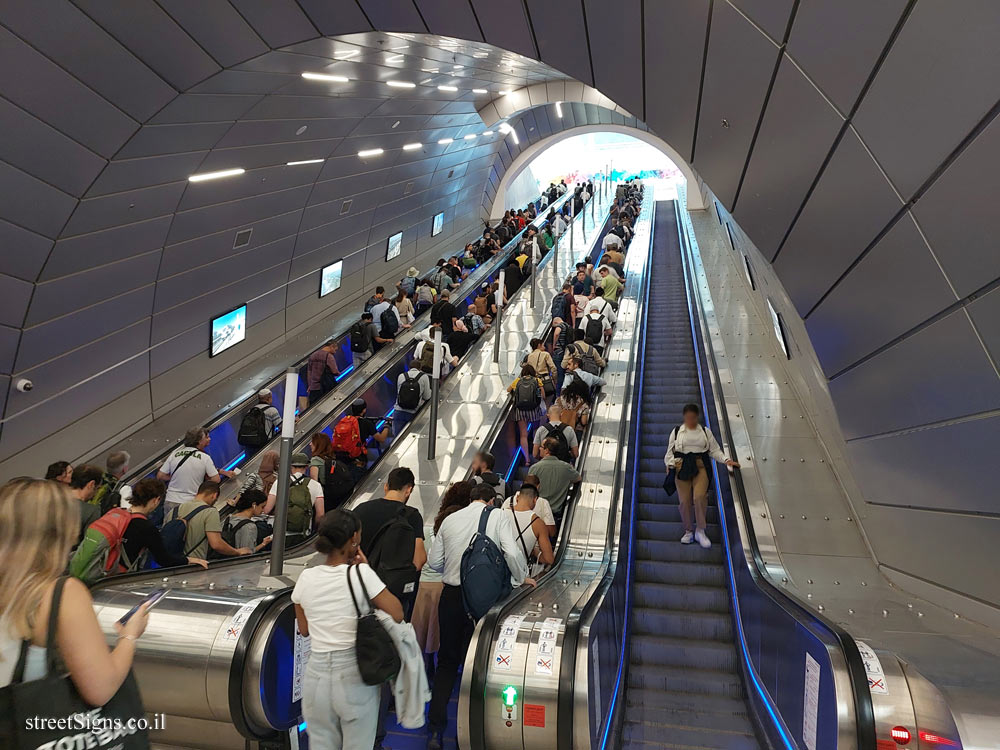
point(300, 505)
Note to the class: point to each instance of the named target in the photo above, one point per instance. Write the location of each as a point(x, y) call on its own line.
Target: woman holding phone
point(340, 710)
point(39, 523)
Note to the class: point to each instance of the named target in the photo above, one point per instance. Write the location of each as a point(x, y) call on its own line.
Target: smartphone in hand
point(153, 599)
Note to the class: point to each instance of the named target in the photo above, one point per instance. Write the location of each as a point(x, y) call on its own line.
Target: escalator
point(684, 687)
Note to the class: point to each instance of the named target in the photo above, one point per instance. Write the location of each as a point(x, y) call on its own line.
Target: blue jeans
point(400, 418)
point(340, 710)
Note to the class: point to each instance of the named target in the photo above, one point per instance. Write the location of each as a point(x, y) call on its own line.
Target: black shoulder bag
point(378, 659)
point(54, 699)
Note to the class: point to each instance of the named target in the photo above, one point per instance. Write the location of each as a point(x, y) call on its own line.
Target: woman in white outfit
point(340, 710)
point(530, 530)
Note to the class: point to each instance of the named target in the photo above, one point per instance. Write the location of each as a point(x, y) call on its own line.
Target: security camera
point(24, 385)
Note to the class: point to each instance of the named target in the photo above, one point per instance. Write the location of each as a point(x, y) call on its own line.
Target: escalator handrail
point(864, 711)
point(138, 472)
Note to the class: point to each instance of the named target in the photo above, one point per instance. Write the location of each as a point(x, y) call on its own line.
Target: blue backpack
point(484, 573)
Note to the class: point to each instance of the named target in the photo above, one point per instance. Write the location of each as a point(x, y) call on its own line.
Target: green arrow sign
point(509, 694)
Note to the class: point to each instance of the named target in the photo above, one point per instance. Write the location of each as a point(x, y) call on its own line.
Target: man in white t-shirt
point(186, 468)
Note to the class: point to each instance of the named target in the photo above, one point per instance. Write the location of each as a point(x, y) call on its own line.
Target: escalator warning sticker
point(534, 716)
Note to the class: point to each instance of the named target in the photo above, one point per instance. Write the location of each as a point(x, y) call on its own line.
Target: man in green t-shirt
point(610, 284)
point(555, 477)
point(204, 530)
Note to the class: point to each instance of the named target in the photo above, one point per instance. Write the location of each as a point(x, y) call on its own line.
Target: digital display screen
point(330, 278)
point(394, 246)
point(228, 330)
point(438, 224)
point(779, 328)
point(749, 272)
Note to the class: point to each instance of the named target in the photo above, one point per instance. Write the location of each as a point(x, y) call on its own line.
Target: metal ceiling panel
point(335, 16)
point(281, 107)
point(393, 15)
point(205, 108)
point(9, 338)
point(33, 204)
point(561, 34)
point(453, 18)
point(323, 235)
point(818, 250)
point(132, 174)
point(90, 287)
point(15, 294)
point(958, 212)
point(375, 125)
point(34, 147)
point(155, 38)
point(245, 82)
point(895, 287)
point(770, 15)
point(353, 180)
point(839, 41)
point(82, 327)
point(62, 32)
point(36, 84)
point(908, 483)
point(277, 22)
point(32, 250)
point(75, 254)
point(258, 132)
point(985, 314)
point(190, 224)
point(506, 26)
point(259, 182)
point(155, 140)
point(740, 63)
point(796, 134)
point(616, 63)
point(932, 89)
point(935, 391)
point(279, 61)
point(253, 157)
point(218, 28)
point(108, 211)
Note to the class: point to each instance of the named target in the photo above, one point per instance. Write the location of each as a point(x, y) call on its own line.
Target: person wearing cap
point(300, 474)
point(272, 417)
point(367, 429)
point(594, 312)
point(408, 284)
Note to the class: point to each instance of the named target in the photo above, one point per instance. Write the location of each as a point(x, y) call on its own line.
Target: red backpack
point(100, 552)
point(347, 438)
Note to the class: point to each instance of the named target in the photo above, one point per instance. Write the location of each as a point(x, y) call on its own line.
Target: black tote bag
point(50, 712)
point(378, 660)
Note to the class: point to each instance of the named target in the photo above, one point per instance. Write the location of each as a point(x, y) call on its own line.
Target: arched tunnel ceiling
point(855, 142)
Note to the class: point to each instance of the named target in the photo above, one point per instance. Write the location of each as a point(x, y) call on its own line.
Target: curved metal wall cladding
point(853, 142)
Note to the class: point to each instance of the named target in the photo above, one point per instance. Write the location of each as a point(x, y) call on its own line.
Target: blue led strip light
point(751, 670)
point(344, 374)
point(231, 464)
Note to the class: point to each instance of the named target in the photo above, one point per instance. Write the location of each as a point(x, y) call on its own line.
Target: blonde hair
point(39, 523)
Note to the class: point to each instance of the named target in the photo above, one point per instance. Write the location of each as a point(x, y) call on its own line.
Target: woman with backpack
point(240, 530)
point(39, 523)
point(529, 405)
point(404, 308)
point(142, 536)
point(340, 709)
point(425, 297)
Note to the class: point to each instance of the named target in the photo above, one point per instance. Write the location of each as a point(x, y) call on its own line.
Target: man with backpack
point(351, 436)
point(591, 360)
point(260, 424)
point(375, 298)
point(444, 312)
point(574, 370)
point(555, 477)
point(110, 491)
point(364, 336)
point(305, 501)
point(386, 319)
point(321, 372)
point(568, 445)
point(564, 304)
point(595, 327)
point(413, 390)
point(477, 553)
point(185, 470)
point(197, 527)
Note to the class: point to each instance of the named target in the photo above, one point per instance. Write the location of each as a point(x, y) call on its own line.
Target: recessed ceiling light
point(458, 67)
point(446, 141)
point(470, 136)
point(395, 124)
point(480, 91)
point(344, 55)
point(559, 109)
point(371, 152)
point(325, 77)
point(481, 54)
point(426, 81)
point(503, 93)
point(504, 128)
point(429, 70)
point(401, 84)
point(394, 58)
point(402, 46)
point(216, 175)
point(304, 161)
point(447, 88)
point(487, 132)
point(412, 146)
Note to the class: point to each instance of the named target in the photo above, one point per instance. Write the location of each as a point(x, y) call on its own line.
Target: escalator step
point(651, 735)
point(690, 681)
point(691, 653)
point(702, 703)
point(714, 626)
point(673, 550)
point(688, 573)
point(684, 596)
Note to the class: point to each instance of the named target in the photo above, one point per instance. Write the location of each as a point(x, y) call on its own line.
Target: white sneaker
point(687, 538)
point(702, 539)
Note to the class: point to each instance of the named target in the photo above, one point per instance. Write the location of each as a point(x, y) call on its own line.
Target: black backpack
point(370, 303)
point(527, 394)
point(253, 429)
point(558, 434)
point(338, 483)
point(594, 330)
point(408, 397)
point(357, 334)
point(588, 363)
point(174, 533)
point(389, 323)
point(230, 527)
point(391, 555)
point(558, 309)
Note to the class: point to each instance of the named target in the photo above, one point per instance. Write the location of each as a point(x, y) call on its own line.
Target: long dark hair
point(458, 496)
point(577, 390)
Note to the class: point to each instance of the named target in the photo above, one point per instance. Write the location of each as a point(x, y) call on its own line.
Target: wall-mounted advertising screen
point(228, 330)
point(779, 328)
point(394, 246)
point(438, 224)
point(330, 278)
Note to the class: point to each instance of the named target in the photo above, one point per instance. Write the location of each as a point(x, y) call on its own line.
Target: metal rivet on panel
point(850, 611)
point(763, 515)
point(809, 596)
point(211, 585)
point(555, 607)
point(826, 518)
point(820, 607)
point(836, 583)
point(920, 614)
point(809, 581)
point(885, 613)
point(864, 583)
point(803, 518)
point(184, 582)
point(909, 606)
point(784, 579)
point(165, 579)
point(781, 516)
